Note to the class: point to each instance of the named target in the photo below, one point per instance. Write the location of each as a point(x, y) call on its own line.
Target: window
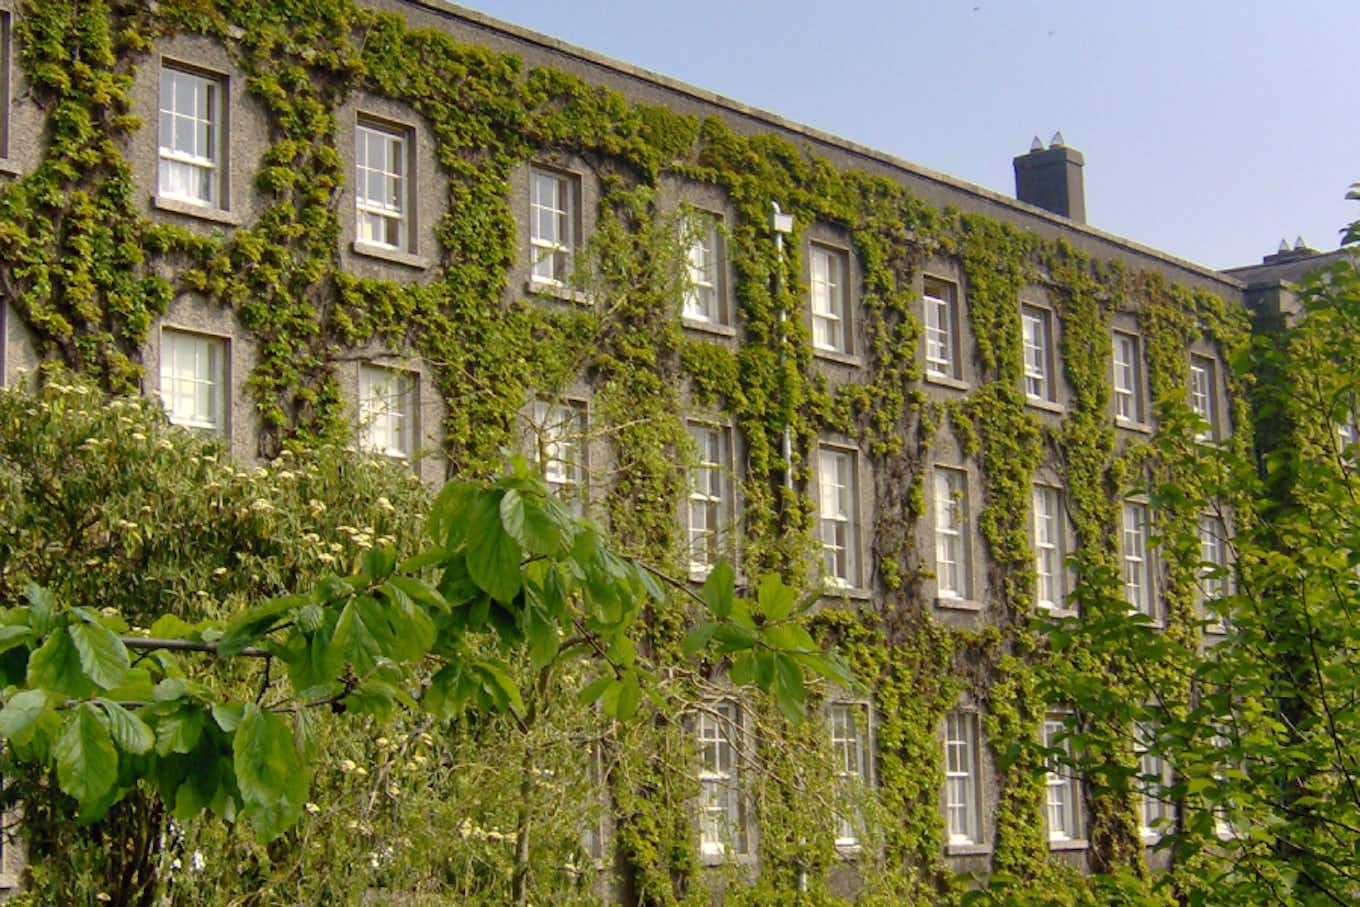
point(1062, 807)
point(942, 352)
point(1128, 378)
point(386, 411)
point(722, 820)
point(552, 225)
point(1037, 328)
point(962, 816)
point(704, 303)
point(1138, 591)
point(1204, 396)
point(560, 450)
point(193, 379)
point(1154, 778)
point(1346, 434)
point(190, 137)
point(382, 186)
point(1048, 547)
point(838, 506)
point(830, 302)
point(849, 756)
point(952, 573)
point(710, 496)
point(1213, 555)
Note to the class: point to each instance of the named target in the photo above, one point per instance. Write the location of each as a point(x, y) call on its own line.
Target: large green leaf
point(56, 666)
point(493, 556)
point(529, 524)
point(774, 599)
point(87, 763)
point(103, 656)
point(719, 589)
point(15, 635)
point(246, 628)
point(20, 715)
point(272, 776)
point(179, 729)
point(128, 731)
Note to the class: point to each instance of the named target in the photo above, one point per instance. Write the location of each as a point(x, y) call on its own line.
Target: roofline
point(548, 42)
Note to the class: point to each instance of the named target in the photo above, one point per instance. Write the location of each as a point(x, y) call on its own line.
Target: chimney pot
point(1057, 140)
point(1036, 145)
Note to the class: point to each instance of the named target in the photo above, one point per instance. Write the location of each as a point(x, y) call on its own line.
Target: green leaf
point(493, 557)
point(620, 698)
point(594, 690)
point(42, 606)
point(497, 677)
point(13, 635)
point(228, 715)
point(103, 656)
point(449, 691)
point(419, 591)
point(128, 731)
point(734, 638)
point(541, 634)
point(699, 638)
point(790, 696)
point(719, 589)
point(169, 626)
point(270, 772)
point(246, 628)
point(20, 715)
point(87, 763)
point(743, 668)
point(529, 524)
point(378, 561)
point(179, 731)
point(56, 666)
point(774, 599)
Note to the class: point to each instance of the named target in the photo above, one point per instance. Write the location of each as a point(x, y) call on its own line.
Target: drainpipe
point(783, 223)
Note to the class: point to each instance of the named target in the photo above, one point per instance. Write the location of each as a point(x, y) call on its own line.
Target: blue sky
point(1211, 128)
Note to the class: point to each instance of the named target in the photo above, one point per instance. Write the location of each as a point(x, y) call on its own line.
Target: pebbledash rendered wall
point(481, 104)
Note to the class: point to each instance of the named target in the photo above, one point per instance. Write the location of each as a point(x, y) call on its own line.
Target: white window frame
point(560, 449)
point(848, 723)
point(953, 543)
point(711, 504)
point(962, 781)
point(553, 203)
point(1127, 357)
point(1050, 549)
point(941, 310)
point(1036, 330)
point(190, 363)
point(1062, 788)
point(387, 410)
point(393, 209)
point(1154, 777)
point(1139, 576)
point(1214, 559)
point(838, 515)
point(719, 733)
point(829, 300)
point(704, 303)
point(1203, 393)
point(206, 158)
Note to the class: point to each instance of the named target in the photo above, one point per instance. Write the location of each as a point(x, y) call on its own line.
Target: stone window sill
point(11, 166)
point(967, 850)
point(556, 291)
point(1130, 425)
point(838, 358)
point(1047, 406)
point(709, 327)
point(202, 212)
point(395, 256)
point(949, 603)
point(946, 381)
point(1068, 844)
point(833, 590)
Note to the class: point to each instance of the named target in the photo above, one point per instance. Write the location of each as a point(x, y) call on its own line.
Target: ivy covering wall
point(89, 275)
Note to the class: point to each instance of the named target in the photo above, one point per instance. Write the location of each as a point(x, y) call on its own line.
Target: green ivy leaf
point(87, 763)
point(103, 656)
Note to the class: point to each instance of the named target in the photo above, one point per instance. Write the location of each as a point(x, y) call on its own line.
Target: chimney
point(1050, 178)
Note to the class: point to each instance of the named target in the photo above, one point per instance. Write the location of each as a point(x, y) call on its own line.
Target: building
point(720, 333)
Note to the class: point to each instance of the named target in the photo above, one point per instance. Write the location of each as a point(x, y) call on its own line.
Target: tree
point(217, 713)
point(1260, 731)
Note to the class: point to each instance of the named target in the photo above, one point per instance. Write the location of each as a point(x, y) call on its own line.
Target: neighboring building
point(910, 324)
